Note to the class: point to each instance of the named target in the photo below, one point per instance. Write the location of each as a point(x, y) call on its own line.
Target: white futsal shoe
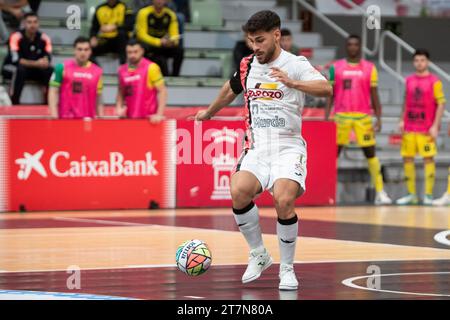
point(410, 199)
point(442, 201)
point(258, 261)
point(288, 280)
point(382, 198)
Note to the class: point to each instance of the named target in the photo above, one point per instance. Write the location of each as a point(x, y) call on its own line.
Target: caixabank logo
point(62, 165)
point(265, 91)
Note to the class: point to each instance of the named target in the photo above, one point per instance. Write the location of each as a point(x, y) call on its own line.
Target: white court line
point(152, 266)
point(441, 237)
point(194, 297)
point(96, 221)
point(349, 283)
point(133, 224)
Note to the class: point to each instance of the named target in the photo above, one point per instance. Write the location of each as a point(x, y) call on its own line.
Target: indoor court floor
point(342, 253)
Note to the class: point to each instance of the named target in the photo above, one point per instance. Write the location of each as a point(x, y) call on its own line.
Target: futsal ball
point(193, 257)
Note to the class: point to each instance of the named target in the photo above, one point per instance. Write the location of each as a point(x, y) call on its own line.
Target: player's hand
point(434, 131)
point(108, 28)
point(156, 118)
point(121, 112)
point(377, 126)
point(167, 42)
point(94, 42)
point(401, 126)
point(43, 63)
point(202, 115)
point(282, 77)
point(17, 13)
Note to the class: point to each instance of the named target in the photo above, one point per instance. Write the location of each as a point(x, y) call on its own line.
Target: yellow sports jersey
point(154, 76)
point(152, 26)
point(374, 77)
point(439, 92)
point(105, 15)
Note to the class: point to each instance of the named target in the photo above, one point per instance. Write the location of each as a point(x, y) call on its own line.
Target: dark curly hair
point(265, 20)
point(422, 52)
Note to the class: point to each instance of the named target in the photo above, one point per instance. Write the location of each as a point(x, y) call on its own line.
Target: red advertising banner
point(207, 153)
point(127, 164)
point(102, 164)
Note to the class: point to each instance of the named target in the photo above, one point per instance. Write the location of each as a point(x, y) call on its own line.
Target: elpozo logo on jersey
point(62, 165)
point(265, 91)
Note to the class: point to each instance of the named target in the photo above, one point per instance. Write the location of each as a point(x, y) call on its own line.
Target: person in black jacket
point(29, 56)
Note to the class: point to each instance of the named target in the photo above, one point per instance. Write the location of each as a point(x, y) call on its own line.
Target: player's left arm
point(99, 102)
point(375, 98)
point(440, 100)
point(307, 80)
point(162, 102)
point(156, 79)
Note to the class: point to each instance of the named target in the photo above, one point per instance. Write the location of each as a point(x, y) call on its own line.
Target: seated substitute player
point(141, 87)
point(355, 83)
point(419, 122)
point(76, 85)
point(111, 23)
point(157, 28)
point(274, 83)
point(29, 57)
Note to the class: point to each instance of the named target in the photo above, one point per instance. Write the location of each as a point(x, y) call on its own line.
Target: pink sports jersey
point(79, 88)
point(141, 100)
point(421, 103)
point(352, 86)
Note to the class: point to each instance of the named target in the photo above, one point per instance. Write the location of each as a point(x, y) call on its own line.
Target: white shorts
point(289, 162)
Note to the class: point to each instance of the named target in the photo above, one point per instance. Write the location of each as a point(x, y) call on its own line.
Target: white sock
point(287, 231)
point(248, 221)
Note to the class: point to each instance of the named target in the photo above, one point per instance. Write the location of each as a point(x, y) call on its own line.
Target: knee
point(284, 204)
point(241, 196)
point(48, 72)
point(369, 152)
point(178, 51)
point(428, 160)
point(20, 69)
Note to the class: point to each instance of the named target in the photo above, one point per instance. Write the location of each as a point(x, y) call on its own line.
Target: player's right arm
point(120, 108)
point(53, 99)
point(99, 100)
point(225, 97)
point(227, 94)
point(120, 101)
point(53, 92)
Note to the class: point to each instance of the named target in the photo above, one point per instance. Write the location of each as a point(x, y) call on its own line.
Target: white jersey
point(274, 111)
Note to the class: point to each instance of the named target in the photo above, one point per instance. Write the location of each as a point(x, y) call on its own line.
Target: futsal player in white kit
point(274, 83)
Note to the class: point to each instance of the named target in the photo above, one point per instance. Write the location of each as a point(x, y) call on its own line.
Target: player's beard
point(134, 62)
point(82, 62)
point(269, 55)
